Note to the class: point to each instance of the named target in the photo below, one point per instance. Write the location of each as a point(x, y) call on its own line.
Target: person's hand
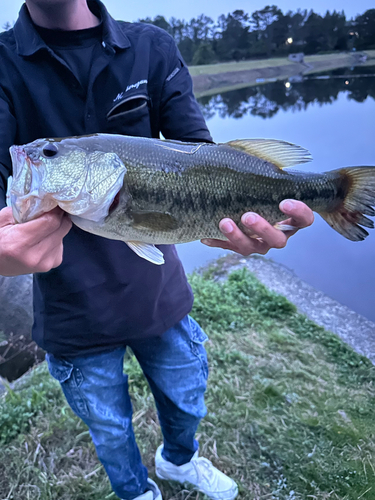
point(32, 247)
point(266, 236)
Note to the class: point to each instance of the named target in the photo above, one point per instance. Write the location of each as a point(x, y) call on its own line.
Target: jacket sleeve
point(7, 138)
point(180, 115)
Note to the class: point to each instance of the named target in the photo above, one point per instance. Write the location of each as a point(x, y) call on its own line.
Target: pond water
point(332, 115)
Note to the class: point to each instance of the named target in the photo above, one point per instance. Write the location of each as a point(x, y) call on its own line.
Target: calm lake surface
point(334, 117)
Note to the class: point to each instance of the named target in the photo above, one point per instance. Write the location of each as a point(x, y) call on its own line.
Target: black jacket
point(102, 294)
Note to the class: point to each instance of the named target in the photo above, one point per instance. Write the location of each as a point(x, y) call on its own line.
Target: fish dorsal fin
point(280, 153)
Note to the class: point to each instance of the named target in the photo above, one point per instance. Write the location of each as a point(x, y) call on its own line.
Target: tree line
point(267, 32)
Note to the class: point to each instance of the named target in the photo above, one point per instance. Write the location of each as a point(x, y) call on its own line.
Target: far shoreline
point(222, 77)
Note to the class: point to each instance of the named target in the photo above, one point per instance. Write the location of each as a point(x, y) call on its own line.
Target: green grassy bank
point(213, 78)
point(290, 410)
point(213, 69)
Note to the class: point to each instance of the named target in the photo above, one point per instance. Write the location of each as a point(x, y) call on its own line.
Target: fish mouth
point(26, 208)
point(35, 189)
point(24, 191)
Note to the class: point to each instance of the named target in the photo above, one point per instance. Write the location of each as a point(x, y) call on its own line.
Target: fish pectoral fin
point(155, 221)
point(147, 251)
point(280, 153)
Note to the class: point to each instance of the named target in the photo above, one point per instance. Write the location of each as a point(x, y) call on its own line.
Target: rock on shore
point(16, 311)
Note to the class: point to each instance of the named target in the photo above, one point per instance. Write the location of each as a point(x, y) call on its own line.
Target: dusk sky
point(131, 11)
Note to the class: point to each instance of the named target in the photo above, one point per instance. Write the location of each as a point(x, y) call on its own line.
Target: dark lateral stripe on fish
point(204, 198)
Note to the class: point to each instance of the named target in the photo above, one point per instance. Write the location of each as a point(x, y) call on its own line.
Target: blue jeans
point(96, 388)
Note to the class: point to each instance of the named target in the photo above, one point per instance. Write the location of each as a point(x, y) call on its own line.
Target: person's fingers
point(30, 233)
point(237, 240)
point(65, 227)
point(58, 256)
point(53, 258)
point(241, 242)
point(43, 256)
point(256, 225)
point(49, 250)
point(210, 242)
point(258, 235)
point(255, 246)
point(24, 253)
point(301, 215)
point(6, 217)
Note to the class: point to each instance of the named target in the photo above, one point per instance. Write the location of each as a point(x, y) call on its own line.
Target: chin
point(48, 4)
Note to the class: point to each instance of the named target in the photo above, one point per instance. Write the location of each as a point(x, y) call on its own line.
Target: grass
point(283, 70)
point(214, 69)
point(290, 410)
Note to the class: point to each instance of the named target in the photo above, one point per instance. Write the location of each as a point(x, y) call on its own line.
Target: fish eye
point(50, 150)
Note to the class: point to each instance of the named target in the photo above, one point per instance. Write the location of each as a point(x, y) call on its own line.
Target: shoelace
point(206, 472)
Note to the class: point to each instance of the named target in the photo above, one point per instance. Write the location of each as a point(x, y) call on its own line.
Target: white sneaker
point(200, 473)
point(152, 494)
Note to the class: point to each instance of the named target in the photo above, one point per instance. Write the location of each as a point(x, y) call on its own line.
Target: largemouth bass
point(150, 191)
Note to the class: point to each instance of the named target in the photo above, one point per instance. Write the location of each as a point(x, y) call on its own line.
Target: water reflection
point(267, 100)
point(338, 135)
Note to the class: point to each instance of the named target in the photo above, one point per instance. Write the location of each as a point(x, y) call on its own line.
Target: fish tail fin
point(356, 190)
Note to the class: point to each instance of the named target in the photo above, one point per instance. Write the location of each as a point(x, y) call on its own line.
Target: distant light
point(347, 82)
point(288, 85)
point(289, 40)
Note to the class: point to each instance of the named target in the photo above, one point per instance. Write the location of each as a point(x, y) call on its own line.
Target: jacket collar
point(29, 41)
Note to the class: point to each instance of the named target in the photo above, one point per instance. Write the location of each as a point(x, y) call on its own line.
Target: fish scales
point(206, 187)
point(149, 191)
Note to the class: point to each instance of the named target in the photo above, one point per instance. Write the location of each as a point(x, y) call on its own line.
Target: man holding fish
point(67, 68)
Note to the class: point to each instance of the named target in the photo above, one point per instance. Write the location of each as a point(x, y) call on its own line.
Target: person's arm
point(182, 119)
point(34, 246)
point(180, 116)
point(7, 136)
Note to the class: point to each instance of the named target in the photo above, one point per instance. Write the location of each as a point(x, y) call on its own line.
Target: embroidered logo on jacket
point(130, 87)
